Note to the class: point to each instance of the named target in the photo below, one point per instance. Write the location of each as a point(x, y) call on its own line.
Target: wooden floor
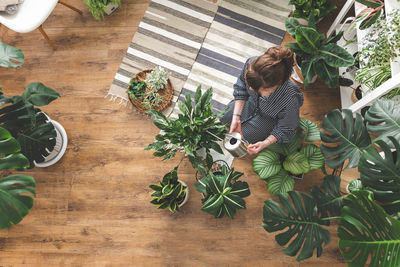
point(92, 208)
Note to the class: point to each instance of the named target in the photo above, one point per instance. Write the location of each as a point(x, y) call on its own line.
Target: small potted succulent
point(280, 163)
point(171, 193)
point(150, 89)
point(100, 7)
point(223, 193)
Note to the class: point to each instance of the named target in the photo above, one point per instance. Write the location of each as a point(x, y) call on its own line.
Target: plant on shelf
point(15, 190)
point(371, 14)
point(223, 193)
point(314, 9)
point(99, 7)
point(27, 123)
point(195, 128)
point(319, 56)
point(368, 232)
point(170, 193)
point(279, 162)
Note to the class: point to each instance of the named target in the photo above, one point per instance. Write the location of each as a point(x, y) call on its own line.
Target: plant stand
point(60, 147)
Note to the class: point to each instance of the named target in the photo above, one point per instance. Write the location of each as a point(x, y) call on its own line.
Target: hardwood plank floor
point(92, 208)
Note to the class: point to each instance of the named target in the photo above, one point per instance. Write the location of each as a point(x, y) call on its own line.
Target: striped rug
point(169, 35)
point(240, 29)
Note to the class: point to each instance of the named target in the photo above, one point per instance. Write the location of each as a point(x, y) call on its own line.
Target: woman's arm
point(236, 124)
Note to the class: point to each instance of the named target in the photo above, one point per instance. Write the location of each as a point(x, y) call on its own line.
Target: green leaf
point(308, 39)
point(16, 199)
point(335, 38)
point(280, 183)
point(369, 20)
point(39, 95)
point(311, 130)
point(267, 164)
point(8, 53)
point(383, 117)
point(328, 197)
point(241, 189)
point(327, 73)
point(379, 173)
point(9, 148)
point(285, 148)
point(8, 144)
point(314, 156)
point(370, 3)
point(366, 232)
point(296, 163)
point(336, 56)
point(299, 216)
point(291, 25)
point(345, 138)
point(307, 70)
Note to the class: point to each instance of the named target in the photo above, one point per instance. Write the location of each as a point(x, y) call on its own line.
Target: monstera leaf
point(314, 156)
point(381, 174)
point(39, 95)
point(367, 232)
point(296, 163)
point(383, 117)
point(267, 164)
point(280, 183)
point(9, 156)
point(328, 197)
point(8, 53)
point(300, 219)
point(15, 199)
point(346, 137)
point(310, 130)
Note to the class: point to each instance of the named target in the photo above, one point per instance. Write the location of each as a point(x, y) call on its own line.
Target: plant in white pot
point(171, 193)
point(43, 141)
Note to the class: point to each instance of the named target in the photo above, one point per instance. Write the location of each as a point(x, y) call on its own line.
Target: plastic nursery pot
point(187, 193)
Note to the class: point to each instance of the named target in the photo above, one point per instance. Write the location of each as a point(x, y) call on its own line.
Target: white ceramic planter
point(59, 148)
point(187, 193)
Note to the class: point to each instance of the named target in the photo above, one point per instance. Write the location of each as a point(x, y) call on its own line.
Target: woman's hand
point(236, 125)
point(256, 148)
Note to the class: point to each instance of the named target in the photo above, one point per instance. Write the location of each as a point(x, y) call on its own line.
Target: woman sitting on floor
point(266, 104)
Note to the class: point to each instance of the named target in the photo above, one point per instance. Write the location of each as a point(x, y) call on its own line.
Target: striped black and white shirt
point(276, 114)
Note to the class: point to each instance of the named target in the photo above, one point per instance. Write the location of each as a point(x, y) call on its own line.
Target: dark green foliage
point(196, 127)
point(372, 14)
point(98, 7)
point(170, 193)
point(368, 233)
point(136, 89)
point(320, 56)
point(221, 195)
point(312, 9)
point(299, 217)
point(10, 158)
point(27, 123)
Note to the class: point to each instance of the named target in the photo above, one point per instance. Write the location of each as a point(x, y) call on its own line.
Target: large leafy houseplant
point(170, 193)
point(99, 7)
point(16, 190)
point(21, 116)
point(223, 192)
point(320, 56)
point(279, 162)
point(314, 9)
point(196, 127)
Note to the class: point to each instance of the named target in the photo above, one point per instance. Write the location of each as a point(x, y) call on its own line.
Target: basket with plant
point(150, 90)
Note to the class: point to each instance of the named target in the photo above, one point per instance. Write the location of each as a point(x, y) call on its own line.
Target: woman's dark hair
point(271, 68)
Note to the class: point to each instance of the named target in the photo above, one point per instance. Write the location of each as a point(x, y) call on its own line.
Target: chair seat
point(30, 15)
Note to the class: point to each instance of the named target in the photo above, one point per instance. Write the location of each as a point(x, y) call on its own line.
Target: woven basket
point(167, 93)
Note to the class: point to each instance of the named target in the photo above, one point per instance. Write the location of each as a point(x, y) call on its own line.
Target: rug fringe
point(122, 101)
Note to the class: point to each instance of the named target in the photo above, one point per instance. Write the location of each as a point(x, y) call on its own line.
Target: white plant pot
point(298, 77)
point(110, 8)
point(59, 148)
point(187, 193)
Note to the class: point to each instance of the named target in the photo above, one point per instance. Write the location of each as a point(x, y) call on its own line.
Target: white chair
point(30, 16)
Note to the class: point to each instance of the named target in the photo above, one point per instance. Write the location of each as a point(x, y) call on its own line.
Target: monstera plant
point(319, 56)
point(15, 190)
point(26, 122)
point(223, 193)
point(196, 127)
point(277, 164)
point(10, 57)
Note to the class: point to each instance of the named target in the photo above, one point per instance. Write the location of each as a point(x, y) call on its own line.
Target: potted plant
point(368, 232)
point(279, 163)
point(100, 7)
point(150, 89)
point(16, 191)
point(196, 127)
point(171, 193)
point(316, 54)
point(223, 193)
point(43, 141)
point(311, 9)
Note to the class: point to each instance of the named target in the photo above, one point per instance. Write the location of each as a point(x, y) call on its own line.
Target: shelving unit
point(383, 89)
